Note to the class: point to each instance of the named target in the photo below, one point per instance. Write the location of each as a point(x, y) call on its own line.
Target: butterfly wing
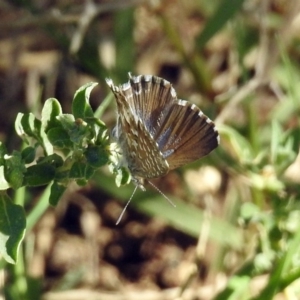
point(148, 95)
point(141, 153)
point(185, 134)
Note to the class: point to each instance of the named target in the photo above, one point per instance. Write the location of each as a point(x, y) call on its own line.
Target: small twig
point(87, 17)
point(200, 252)
point(261, 66)
point(242, 93)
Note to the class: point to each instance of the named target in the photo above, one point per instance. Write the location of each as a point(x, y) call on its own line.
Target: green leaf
point(53, 159)
point(45, 143)
point(249, 210)
point(59, 138)
point(4, 185)
point(81, 104)
point(282, 152)
point(62, 175)
point(51, 110)
point(77, 130)
point(224, 13)
point(240, 146)
point(28, 155)
point(30, 125)
point(66, 121)
point(14, 169)
point(81, 170)
point(266, 183)
point(12, 228)
point(97, 127)
point(57, 191)
point(123, 177)
point(80, 133)
point(39, 174)
point(236, 287)
point(96, 156)
point(18, 125)
point(3, 151)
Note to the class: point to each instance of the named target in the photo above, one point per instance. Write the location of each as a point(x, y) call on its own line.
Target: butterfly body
point(156, 131)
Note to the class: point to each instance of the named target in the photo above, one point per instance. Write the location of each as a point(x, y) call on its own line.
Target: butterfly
point(156, 131)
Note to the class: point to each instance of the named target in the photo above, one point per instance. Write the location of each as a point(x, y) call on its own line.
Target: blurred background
point(235, 231)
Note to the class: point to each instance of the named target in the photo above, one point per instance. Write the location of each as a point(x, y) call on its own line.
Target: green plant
point(72, 146)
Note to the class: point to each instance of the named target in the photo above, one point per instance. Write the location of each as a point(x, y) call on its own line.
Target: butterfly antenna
point(123, 211)
point(169, 200)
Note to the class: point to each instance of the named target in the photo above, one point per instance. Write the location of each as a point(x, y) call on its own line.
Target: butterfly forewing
point(140, 151)
point(144, 89)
